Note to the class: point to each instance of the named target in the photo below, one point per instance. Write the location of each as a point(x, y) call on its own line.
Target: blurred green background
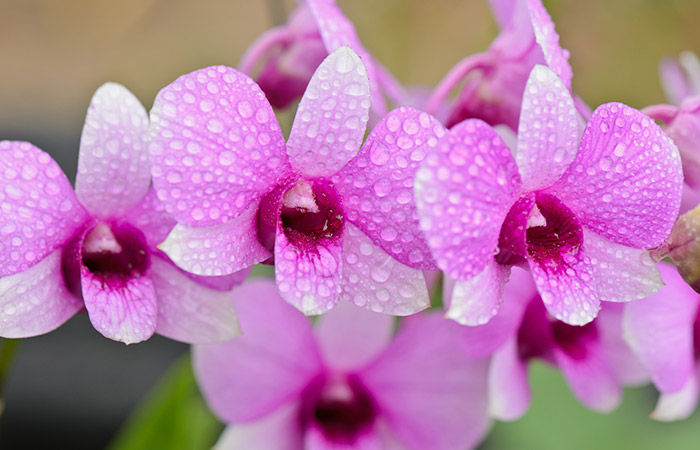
point(54, 54)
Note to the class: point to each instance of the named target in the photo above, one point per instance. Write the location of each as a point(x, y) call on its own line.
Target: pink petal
point(433, 396)
point(309, 275)
point(623, 362)
point(622, 273)
point(273, 361)
point(502, 11)
point(279, 430)
point(463, 193)
point(188, 311)
point(316, 439)
point(568, 290)
point(121, 308)
point(219, 249)
point(548, 131)
point(113, 168)
point(350, 337)
point(36, 301)
point(590, 378)
point(150, 218)
point(679, 404)
point(377, 184)
point(509, 387)
point(677, 80)
point(483, 340)
point(625, 183)
point(374, 280)
point(216, 146)
point(39, 211)
point(659, 329)
point(547, 38)
point(337, 31)
point(475, 301)
point(332, 116)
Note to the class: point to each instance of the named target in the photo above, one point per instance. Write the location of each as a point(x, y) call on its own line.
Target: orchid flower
point(681, 81)
point(337, 220)
point(594, 359)
point(95, 248)
point(290, 54)
point(344, 383)
point(495, 79)
point(579, 211)
point(664, 332)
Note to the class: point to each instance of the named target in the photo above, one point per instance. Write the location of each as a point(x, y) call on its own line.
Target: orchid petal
point(625, 183)
point(548, 130)
point(332, 116)
point(39, 211)
point(509, 387)
point(463, 193)
point(150, 218)
point(547, 38)
point(278, 430)
point(216, 146)
point(113, 168)
point(475, 301)
point(679, 404)
point(188, 311)
point(275, 358)
point(374, 280)
point(36, 301)
point(378, 184)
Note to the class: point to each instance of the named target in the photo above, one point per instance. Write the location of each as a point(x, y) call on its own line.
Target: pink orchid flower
point(337, 220)
point(594, 359)
point(495, 79)
point(579, 211)
point(664, 332)
point(95, 248)
point(344, 383)
point(289, 55)
point(681, 81)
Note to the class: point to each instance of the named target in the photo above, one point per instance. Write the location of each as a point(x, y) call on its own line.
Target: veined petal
point(275, 358)
point(121, 308)
point(113, 169)
point(219, 249)
point(36, 301)
point(150, 217)
point(433, 396)
point(475, 301)
point(188, 311)
point(621, 273)
point(377, 184)
point(463, 192)
point(39, 211)
point(332, 116)
point(336, 31)
point(659, 329)
point(308, 274)
point(351, 337)
point(509, 387)
point(374, 280)
point(625, 183)
point(548, 130)
point(547, 38)
point(215, 146)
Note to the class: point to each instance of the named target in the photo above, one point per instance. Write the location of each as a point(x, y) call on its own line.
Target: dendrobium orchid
point(664, 332)
point(290, 54)
point(343, 384)
point(681, 81)
point(580, 212)
point(95, 248)
point(337, 220)
point(594, 359)
point(495, 79)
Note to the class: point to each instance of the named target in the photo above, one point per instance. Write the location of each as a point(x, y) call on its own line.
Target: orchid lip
point(340, 406)
point(115, 250)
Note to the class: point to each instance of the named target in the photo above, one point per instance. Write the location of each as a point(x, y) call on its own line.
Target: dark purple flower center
point(696, 335)
point(115, 250)
point(340, 406)
point(311, 211)
point(552, 230)
point(574, 340)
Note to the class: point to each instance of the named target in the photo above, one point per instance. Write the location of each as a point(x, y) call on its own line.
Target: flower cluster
point(544, 220)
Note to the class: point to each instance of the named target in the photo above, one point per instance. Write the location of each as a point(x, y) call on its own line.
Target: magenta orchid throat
point(545, 222)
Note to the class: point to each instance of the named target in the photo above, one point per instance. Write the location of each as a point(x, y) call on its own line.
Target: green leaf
point(173, 416)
